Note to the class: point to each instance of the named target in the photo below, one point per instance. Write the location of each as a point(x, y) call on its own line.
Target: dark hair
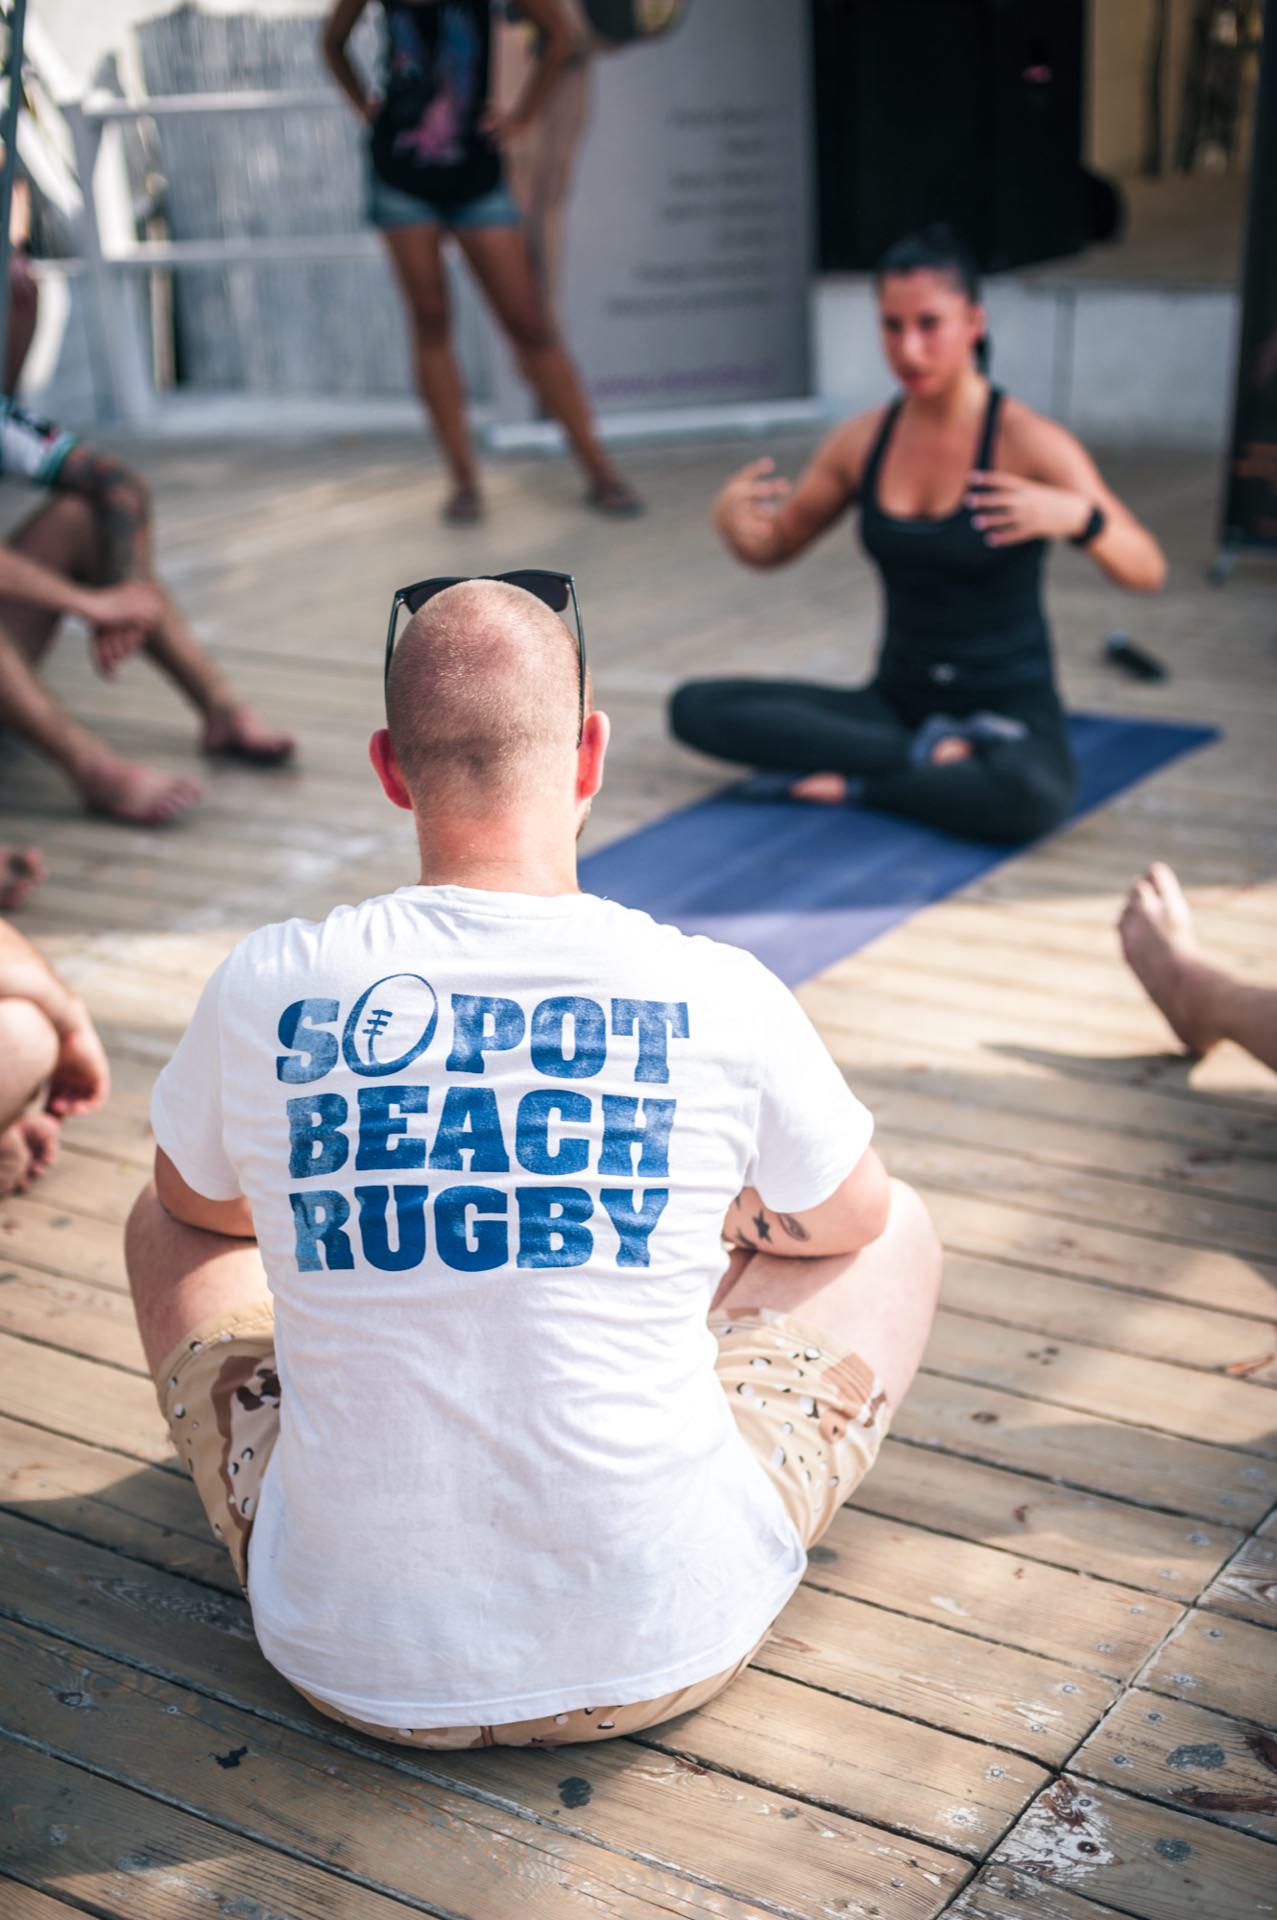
point(937, 249)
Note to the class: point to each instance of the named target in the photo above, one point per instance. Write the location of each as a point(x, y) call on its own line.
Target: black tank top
point(428, 139)
point(960, 613)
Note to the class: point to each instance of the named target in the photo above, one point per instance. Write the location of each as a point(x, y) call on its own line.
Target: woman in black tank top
point(960, 491)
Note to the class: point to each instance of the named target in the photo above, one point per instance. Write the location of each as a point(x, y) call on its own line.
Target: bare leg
point(416, 254)
point(181, 1276)
point(1200, 1003)
point(878, 1303)
point(28, 1054)
point(63, 536)
point(499, 259)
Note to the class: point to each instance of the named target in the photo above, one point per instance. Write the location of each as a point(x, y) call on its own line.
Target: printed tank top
point(428, 138)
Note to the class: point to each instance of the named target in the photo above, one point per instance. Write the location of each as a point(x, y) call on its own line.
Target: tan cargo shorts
point(813, 1422)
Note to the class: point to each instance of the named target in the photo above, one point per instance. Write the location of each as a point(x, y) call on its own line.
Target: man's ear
point(591, 754)
point(386, 767)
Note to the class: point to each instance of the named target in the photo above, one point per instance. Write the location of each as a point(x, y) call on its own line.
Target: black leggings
point(1009, 791)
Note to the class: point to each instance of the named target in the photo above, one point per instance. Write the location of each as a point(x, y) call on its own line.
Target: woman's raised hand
point(745, 511)
point(1007, 509)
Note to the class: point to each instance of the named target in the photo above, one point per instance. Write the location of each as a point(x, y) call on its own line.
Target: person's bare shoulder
point(1029, 441)
point(847, 447)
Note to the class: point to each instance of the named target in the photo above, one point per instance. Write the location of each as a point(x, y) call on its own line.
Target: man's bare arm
point(852, 1217)
point(231, 1217)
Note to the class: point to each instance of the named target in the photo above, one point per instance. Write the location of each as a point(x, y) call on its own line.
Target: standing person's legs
point(28, 1054)
point(498, 257)
point(792, 726)
point(416, 253)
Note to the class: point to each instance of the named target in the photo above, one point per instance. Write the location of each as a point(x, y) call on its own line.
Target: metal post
point(9, 134)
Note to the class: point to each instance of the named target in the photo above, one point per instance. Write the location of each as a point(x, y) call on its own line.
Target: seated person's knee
point(1036, 807)
point(28, 1055)
point(690, 711)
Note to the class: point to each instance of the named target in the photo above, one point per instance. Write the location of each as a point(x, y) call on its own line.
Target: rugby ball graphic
point(391, 1023)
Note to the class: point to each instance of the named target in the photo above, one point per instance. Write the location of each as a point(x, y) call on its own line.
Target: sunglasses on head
point(555, 590)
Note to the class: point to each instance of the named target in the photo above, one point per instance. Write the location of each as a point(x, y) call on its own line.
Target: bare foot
point(1156, 931)
point(27, 1149)
point(236, 733)
point(464, 507)
point(947, 752)
point(142, 796)
point(825, 789)
point(21, 871)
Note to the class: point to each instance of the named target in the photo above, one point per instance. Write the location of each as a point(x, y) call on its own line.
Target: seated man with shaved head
point(520, 1284)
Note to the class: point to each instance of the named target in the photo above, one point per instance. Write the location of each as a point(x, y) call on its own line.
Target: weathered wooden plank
point(67, 1826)
point(1169, 1399)
point(96, 1322)
point(1161, 1553)
point(1088, 1623)
point(958, 1793)
point(1086, 1251)
point(53, 1240)
point(1180, 1136)
point(1189, 1757)
point(1216, 1662)
point(296, 1780)
point(1247, 1586)
point(998, 1894)
point(1076, 1194)
point(1101, 1316)
point(18, 1902)
point(1102, 1456)
point(146, 1513)
point(1141, 1858)
point(70, 1395)
point(1024, 1701)
point(174, 1863)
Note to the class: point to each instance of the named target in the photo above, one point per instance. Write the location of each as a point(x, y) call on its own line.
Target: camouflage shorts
point(814, 1424)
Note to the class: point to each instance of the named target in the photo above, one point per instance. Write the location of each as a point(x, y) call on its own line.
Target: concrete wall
point(1123, 366)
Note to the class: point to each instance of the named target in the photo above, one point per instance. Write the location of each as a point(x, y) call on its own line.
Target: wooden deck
point(1031, 1671)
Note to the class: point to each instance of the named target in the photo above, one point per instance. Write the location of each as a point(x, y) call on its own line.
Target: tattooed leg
point(121, 502)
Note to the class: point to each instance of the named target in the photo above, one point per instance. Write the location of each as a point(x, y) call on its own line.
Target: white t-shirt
point(489, 1141)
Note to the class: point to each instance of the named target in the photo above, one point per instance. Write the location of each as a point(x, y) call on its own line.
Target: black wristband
point(1092, 530)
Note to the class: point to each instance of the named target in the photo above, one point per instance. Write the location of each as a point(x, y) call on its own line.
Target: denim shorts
point(391, 207)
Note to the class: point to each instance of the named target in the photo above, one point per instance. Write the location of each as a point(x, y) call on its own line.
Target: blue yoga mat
point(801, 886)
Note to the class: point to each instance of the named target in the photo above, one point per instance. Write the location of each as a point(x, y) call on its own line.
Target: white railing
point(108, 263)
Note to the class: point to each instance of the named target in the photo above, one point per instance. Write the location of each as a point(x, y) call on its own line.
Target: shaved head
point(483, 699)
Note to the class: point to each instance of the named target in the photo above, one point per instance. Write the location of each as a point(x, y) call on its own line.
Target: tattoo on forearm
point(754, 1230)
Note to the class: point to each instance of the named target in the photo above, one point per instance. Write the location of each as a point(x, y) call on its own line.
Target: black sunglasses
point(555, 590)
